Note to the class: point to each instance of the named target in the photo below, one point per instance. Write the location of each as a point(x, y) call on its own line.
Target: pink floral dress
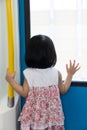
point(43, 109)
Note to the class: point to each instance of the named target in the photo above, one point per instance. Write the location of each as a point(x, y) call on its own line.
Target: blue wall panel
point(75, 108)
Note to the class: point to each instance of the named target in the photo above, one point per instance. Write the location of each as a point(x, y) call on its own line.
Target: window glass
point(65, 21)
point(65, 4)
point(38, 5)
point(84, 4)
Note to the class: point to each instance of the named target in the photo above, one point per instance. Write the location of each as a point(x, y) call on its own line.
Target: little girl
point(42, 86)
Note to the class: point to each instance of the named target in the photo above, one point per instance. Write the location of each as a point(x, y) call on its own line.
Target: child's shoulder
point(36, 70)
point(28, 70)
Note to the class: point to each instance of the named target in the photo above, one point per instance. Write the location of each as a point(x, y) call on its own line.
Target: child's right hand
point(9, 76)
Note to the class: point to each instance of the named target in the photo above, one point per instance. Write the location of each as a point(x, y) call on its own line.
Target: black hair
point(40, 52)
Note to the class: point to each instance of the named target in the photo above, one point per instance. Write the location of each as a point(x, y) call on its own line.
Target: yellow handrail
point(10, 49)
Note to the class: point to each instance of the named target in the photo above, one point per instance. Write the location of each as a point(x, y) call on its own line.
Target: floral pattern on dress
point(43, 108)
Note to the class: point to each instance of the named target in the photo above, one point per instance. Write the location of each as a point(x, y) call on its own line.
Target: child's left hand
point(72, 67)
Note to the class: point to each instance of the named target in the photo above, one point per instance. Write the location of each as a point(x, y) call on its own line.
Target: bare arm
point(21, 90)
point(71, 69)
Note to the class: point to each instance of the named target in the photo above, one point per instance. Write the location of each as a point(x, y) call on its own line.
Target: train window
point(65, 21)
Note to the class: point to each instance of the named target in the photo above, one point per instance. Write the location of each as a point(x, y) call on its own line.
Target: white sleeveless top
point(41, 77)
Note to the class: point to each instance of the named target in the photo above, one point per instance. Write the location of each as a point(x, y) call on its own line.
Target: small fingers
point(77, 67)
point(74, 62)
point(70, 63)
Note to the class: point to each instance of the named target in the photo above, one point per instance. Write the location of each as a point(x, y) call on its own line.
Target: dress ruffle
point(51, 128)
point(43, 108)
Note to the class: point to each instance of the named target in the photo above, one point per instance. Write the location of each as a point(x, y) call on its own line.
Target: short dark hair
point(40, 52)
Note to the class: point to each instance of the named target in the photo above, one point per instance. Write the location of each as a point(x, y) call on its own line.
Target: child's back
point(43, 107)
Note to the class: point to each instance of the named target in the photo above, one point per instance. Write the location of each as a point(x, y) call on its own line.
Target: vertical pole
point(10, 49)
